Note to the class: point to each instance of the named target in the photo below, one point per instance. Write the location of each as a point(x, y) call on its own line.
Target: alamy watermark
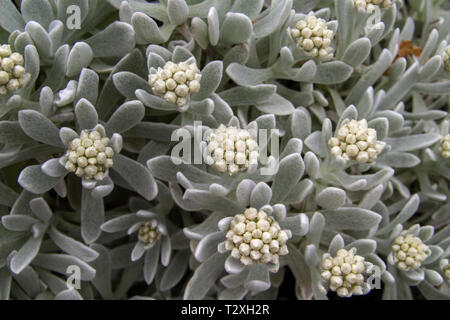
point(73, 21)
point(192, 149)
point(74, 279)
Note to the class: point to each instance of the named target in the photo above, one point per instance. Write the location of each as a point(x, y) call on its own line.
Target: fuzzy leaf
point(38, 127)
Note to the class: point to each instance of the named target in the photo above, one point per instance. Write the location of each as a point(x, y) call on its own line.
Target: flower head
point(446, 58)
point(89, 156)
point(313, 37)
point(232, 149)
point(176, 81)
point(356, 141)
point(256, 237)
point(13, 75)
point(345, 272)
point(148, 232)
point(409, 252)
point(447, 271)
point(444, 148)
point(370, 5)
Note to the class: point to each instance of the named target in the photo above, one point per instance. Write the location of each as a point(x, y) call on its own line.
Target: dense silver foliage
point(349, 190)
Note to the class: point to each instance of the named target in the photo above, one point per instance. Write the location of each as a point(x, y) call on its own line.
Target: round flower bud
point(148, 232)
point(313, 37)
point(355, 141)
point(368, 6)
point(444, 147)
point(344, 273)
point(409, 252)
point(175, 82)
point(233, 145)
point(250, 244)
point(88, 157)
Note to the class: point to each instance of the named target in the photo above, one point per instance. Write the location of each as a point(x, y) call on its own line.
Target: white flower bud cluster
point(356, 141)
point(231, 149)
point(12, 72)
point(148, 232)
point(446, 58)
point(176, 81)
point(313, 36)
point(447, 271)
point(370, 5)
point(444, 149)
point(345, 272)
point(255, 237)
point(89, 156)
point(409, 252)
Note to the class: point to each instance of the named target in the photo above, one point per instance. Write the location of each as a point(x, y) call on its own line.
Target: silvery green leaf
point(11, 132)
point(331, 198)
point(414, 276)
point(314, 143)
point(204, 107)
point(336, 244)
point(430, 292)
point(200, 32)
point(258, 279)
point(41, 209)
point(86, 115)
point(87, 86)
point(261, 195)
point(276, 105)
point(26, 254)
point(136, 175)
point(381, 125)
point(104, 43)
point(128, 82)
point(204, 277)
point(39, 11)
point(166, 251)
point(311, 257)
point(175, 271)
point(206, 200)
point(125, 117)
point(278, 12)
point(53, 168)
point(177, 10)
point(301, 123)
point(289, 173)
point(7, 195)
point(151, 262)
point(59, 263)
point(211, 77)
point(435, 88)
point(371, 197)
point(34, 180)
point(18, 222)
point(41, 38)
point(249, 8)
point(430, 46)
point(401, 88)
point(398, 160)
point(332, 73)
point(436, 253)
point(231, 23)
point(245, 95)
point(297, 224)
point(312, 165)
point(316, 226)
point(357, 52)
point(72, 246)
point(181, 54)
point(208, 246)
point(92, 216)
point(246, 76)
point(80, 57)
point(10, 18)
point(370, 77)
point(68, 294)
point(430, 68)
point(412, 142)
point(213, 26)
point(300, 192)
point(363, 246)
point(433, 277)
point(146, 29)
point(351, 218)
point(38, 127)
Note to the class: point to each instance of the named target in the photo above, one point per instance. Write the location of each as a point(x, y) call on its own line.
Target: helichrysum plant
point(195, 149)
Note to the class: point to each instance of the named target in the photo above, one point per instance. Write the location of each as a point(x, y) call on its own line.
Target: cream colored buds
point(256, 237)
point(313, 37)
point(356, 141)
point(176, 81)
point(13, 75)
point(446, 58)
point(89, 156)
point(409, 252)
point(231, 149)
point(370, 6)
point(148, 232)
point(444, 148)
point(344, 273)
